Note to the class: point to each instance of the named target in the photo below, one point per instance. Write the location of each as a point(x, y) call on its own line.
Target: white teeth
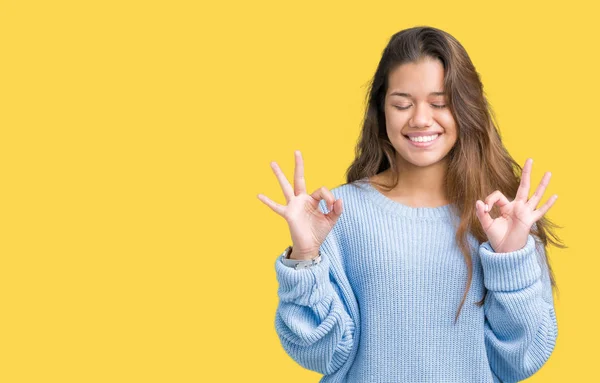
point(423, 138)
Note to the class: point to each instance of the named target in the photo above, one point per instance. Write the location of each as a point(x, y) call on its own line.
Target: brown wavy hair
point(478, 163)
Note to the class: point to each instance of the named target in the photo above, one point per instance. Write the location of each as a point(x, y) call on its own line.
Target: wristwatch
point(299, 263)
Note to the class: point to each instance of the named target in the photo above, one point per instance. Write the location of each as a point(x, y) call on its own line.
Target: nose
point(422, 117)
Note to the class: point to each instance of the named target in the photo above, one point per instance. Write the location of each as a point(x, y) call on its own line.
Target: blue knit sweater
point(380, 307)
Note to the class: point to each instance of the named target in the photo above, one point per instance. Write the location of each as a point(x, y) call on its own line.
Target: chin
point(424, 160)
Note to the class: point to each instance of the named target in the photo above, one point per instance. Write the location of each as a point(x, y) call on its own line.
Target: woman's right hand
point(308, 225)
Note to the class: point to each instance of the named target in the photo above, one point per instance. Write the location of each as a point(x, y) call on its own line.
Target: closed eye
point(406, 107)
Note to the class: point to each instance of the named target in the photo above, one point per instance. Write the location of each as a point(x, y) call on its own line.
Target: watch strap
point(299, 263)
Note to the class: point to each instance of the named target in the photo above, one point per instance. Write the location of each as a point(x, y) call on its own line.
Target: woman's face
point(414, 107)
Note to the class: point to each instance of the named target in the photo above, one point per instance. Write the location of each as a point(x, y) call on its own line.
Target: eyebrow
point(409, 95)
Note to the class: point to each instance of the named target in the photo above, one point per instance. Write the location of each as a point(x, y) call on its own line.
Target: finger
point(287, 189)
point(277, 208)
point(338, 208)
point(484, 217)
point(496, 198)
point(336, 211)
point(324, 193)
point(539, 191)
point(537, 214)
point(299, 182)
point(523, 191)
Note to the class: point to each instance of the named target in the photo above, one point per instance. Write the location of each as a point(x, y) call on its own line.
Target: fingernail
point(487, 207)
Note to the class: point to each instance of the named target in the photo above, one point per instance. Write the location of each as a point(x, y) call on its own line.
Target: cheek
point(396, 120)
point(447, 122)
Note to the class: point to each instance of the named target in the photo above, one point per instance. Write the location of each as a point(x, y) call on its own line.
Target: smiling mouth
point(424, 143)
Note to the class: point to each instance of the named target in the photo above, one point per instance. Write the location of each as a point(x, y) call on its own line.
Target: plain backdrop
point(136, 135)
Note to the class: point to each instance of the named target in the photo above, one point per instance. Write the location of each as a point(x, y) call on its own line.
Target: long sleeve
point(520, 322)
point(311, 320)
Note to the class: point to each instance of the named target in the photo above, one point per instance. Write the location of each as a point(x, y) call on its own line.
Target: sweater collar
point(445, 211)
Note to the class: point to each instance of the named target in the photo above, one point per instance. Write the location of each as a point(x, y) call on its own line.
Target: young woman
point(431, 274)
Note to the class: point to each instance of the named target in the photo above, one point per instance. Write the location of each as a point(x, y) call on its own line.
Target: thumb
point(484, 217)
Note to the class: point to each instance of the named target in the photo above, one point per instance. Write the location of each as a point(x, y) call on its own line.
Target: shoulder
point(356, 207)
point(348, 192)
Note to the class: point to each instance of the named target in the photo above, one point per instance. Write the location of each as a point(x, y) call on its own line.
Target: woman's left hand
point(509, 231)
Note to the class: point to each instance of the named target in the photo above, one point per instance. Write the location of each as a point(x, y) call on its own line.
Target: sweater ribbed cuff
point(304, 287)
point(510, 271)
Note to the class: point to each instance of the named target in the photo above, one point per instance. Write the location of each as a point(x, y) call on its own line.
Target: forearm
point(312, 322)
point(520, 327)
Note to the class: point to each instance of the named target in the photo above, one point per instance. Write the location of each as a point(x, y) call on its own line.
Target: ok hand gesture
point(510, 230)
point(308, 225)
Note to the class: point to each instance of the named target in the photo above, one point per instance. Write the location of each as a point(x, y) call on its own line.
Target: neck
point(420, 185)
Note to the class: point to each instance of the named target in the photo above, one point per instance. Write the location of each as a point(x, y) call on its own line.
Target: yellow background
point(136, 135)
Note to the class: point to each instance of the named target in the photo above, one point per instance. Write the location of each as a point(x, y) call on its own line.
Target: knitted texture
point(380, 307)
